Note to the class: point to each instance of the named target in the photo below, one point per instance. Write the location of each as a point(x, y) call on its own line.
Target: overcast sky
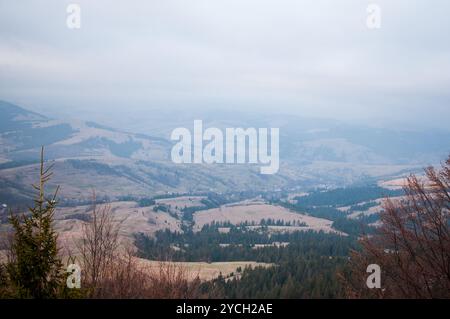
point(312, 58)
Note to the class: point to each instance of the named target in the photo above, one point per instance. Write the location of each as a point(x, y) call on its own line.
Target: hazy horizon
point(311, 59)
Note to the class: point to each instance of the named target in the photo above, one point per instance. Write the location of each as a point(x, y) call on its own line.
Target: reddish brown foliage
point(111, 271)
point(412, 246)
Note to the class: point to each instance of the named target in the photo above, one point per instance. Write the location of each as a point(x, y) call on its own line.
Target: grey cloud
point(314, 58)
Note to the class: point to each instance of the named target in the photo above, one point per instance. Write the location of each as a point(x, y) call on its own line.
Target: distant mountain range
point(118, 164)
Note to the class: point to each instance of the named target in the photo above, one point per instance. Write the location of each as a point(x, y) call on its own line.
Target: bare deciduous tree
point(412, 246)
point(98, 247)
point(170, 280)
point(110, 270)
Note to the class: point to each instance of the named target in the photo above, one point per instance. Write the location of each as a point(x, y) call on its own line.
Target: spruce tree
point(35, 269)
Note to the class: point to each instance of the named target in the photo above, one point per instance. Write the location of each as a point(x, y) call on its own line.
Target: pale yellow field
point(371, 210)
point(400, 182)
point(131, 218)
point(397, 183)
point(206, 271)
point(182, 201)
point(237, 214)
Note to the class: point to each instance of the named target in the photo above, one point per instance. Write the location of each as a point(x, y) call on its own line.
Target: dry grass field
point(393, 184)
point(399, 182)
point(236, 214)
point(378, 208)
point(205, 271)
point(182, 201)
point(131, 218)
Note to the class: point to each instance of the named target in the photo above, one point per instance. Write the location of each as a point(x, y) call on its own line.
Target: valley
point(227, 225)
point(119, 164)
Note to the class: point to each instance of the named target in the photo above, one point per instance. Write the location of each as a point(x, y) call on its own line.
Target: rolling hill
point(119, 164)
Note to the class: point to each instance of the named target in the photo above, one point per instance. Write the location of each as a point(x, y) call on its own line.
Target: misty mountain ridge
point(118, 163)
